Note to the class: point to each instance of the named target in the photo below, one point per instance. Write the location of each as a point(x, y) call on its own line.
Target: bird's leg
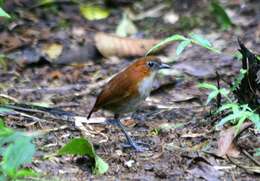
point(131, 142)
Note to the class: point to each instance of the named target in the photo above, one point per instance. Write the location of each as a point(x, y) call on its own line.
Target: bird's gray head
point(156, 64)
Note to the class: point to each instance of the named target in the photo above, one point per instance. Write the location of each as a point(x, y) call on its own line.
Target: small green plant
point(184, 42)
point(16, 149)
point(82, 147)
point(221, 16)
point(238, 79)
point(257, 153)
point(3, 62)
point(237, 113)
point(3, 13)
point(214, 91)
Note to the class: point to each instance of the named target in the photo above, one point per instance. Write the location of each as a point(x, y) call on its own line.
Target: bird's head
point(154, 63)
point(150, 64)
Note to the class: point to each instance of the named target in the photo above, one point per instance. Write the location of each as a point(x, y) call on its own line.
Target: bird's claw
point(137, 146)
point(112, 122)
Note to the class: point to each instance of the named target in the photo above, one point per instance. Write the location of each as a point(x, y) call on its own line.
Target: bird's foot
point(113, 122)
point(137, 146)
point(131, 142)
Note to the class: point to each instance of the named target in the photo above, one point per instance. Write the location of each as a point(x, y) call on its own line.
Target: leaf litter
point(177, 109)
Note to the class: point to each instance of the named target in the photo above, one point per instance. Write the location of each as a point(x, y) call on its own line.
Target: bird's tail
point(90, 113)
point(32, 109)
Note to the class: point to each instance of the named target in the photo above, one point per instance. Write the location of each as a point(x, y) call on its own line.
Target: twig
point(219, 95)
point(53, 2)
point(9, 97)
point(250, 157)
point(52, 90)
point(243, 128)
point(240, 166)
point(45, 131)
point(246, 168)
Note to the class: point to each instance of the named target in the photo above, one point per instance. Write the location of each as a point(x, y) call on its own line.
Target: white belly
point(146, 85)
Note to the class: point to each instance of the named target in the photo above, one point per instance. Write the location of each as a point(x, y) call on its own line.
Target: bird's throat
point(145, 86)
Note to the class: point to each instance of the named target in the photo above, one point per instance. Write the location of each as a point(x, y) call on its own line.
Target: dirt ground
point(174, 121)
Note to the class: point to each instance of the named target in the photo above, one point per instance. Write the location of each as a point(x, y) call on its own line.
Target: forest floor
point(174, 121)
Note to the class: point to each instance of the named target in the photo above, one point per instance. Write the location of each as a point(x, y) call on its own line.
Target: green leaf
point(172, 38)
point(94, 12)
point(4, 14)
point(25, 173)
point(207, 86)
point(4, 110)
point(257, 152)
point(228, 118)
point(16, 154)
point(228, 106)
point(46, 2)
point(81, 146)
point(224, 92)
point(4, 132)
point(3, 178)
point(182, 46)
point(255, 118)
point(220, 14)
point(9, 136)
point(78, 146)
point(238, 79)
point(238, 55)
point(200, 40)
point(240, 122)
point(211, 96)
point(101, 166)
point(2, 2)
point(125, 27)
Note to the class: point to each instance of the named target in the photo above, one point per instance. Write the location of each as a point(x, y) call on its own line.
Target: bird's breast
point(145, 86)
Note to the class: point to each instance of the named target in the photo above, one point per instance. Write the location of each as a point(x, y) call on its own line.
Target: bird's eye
point(151, 64)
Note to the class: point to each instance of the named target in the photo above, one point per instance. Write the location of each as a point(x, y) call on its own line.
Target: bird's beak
point(164, 66)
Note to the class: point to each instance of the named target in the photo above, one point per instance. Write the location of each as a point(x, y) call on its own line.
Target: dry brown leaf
point(111, 45)
point(202, 168)
point(225, 142)
point(9, 42)
point(129, 122)
point(56, 74)
point(52, 50)
point(193, 135)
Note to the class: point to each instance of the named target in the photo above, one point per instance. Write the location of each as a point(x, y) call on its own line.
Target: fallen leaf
point(53, 50)
point(171, 17)
point(9, 42)
point(193, 135)
point(154, 12)
point(111, 45)
point(225, 141)
point(82, 147)
point(201, 168)
point(56, 74)
point(129, 122)
point(129, 163)
point(125, 27)
point(166, 127)
point(94, 12)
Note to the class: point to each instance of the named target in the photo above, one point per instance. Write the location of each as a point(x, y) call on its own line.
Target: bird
point(127, 90)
